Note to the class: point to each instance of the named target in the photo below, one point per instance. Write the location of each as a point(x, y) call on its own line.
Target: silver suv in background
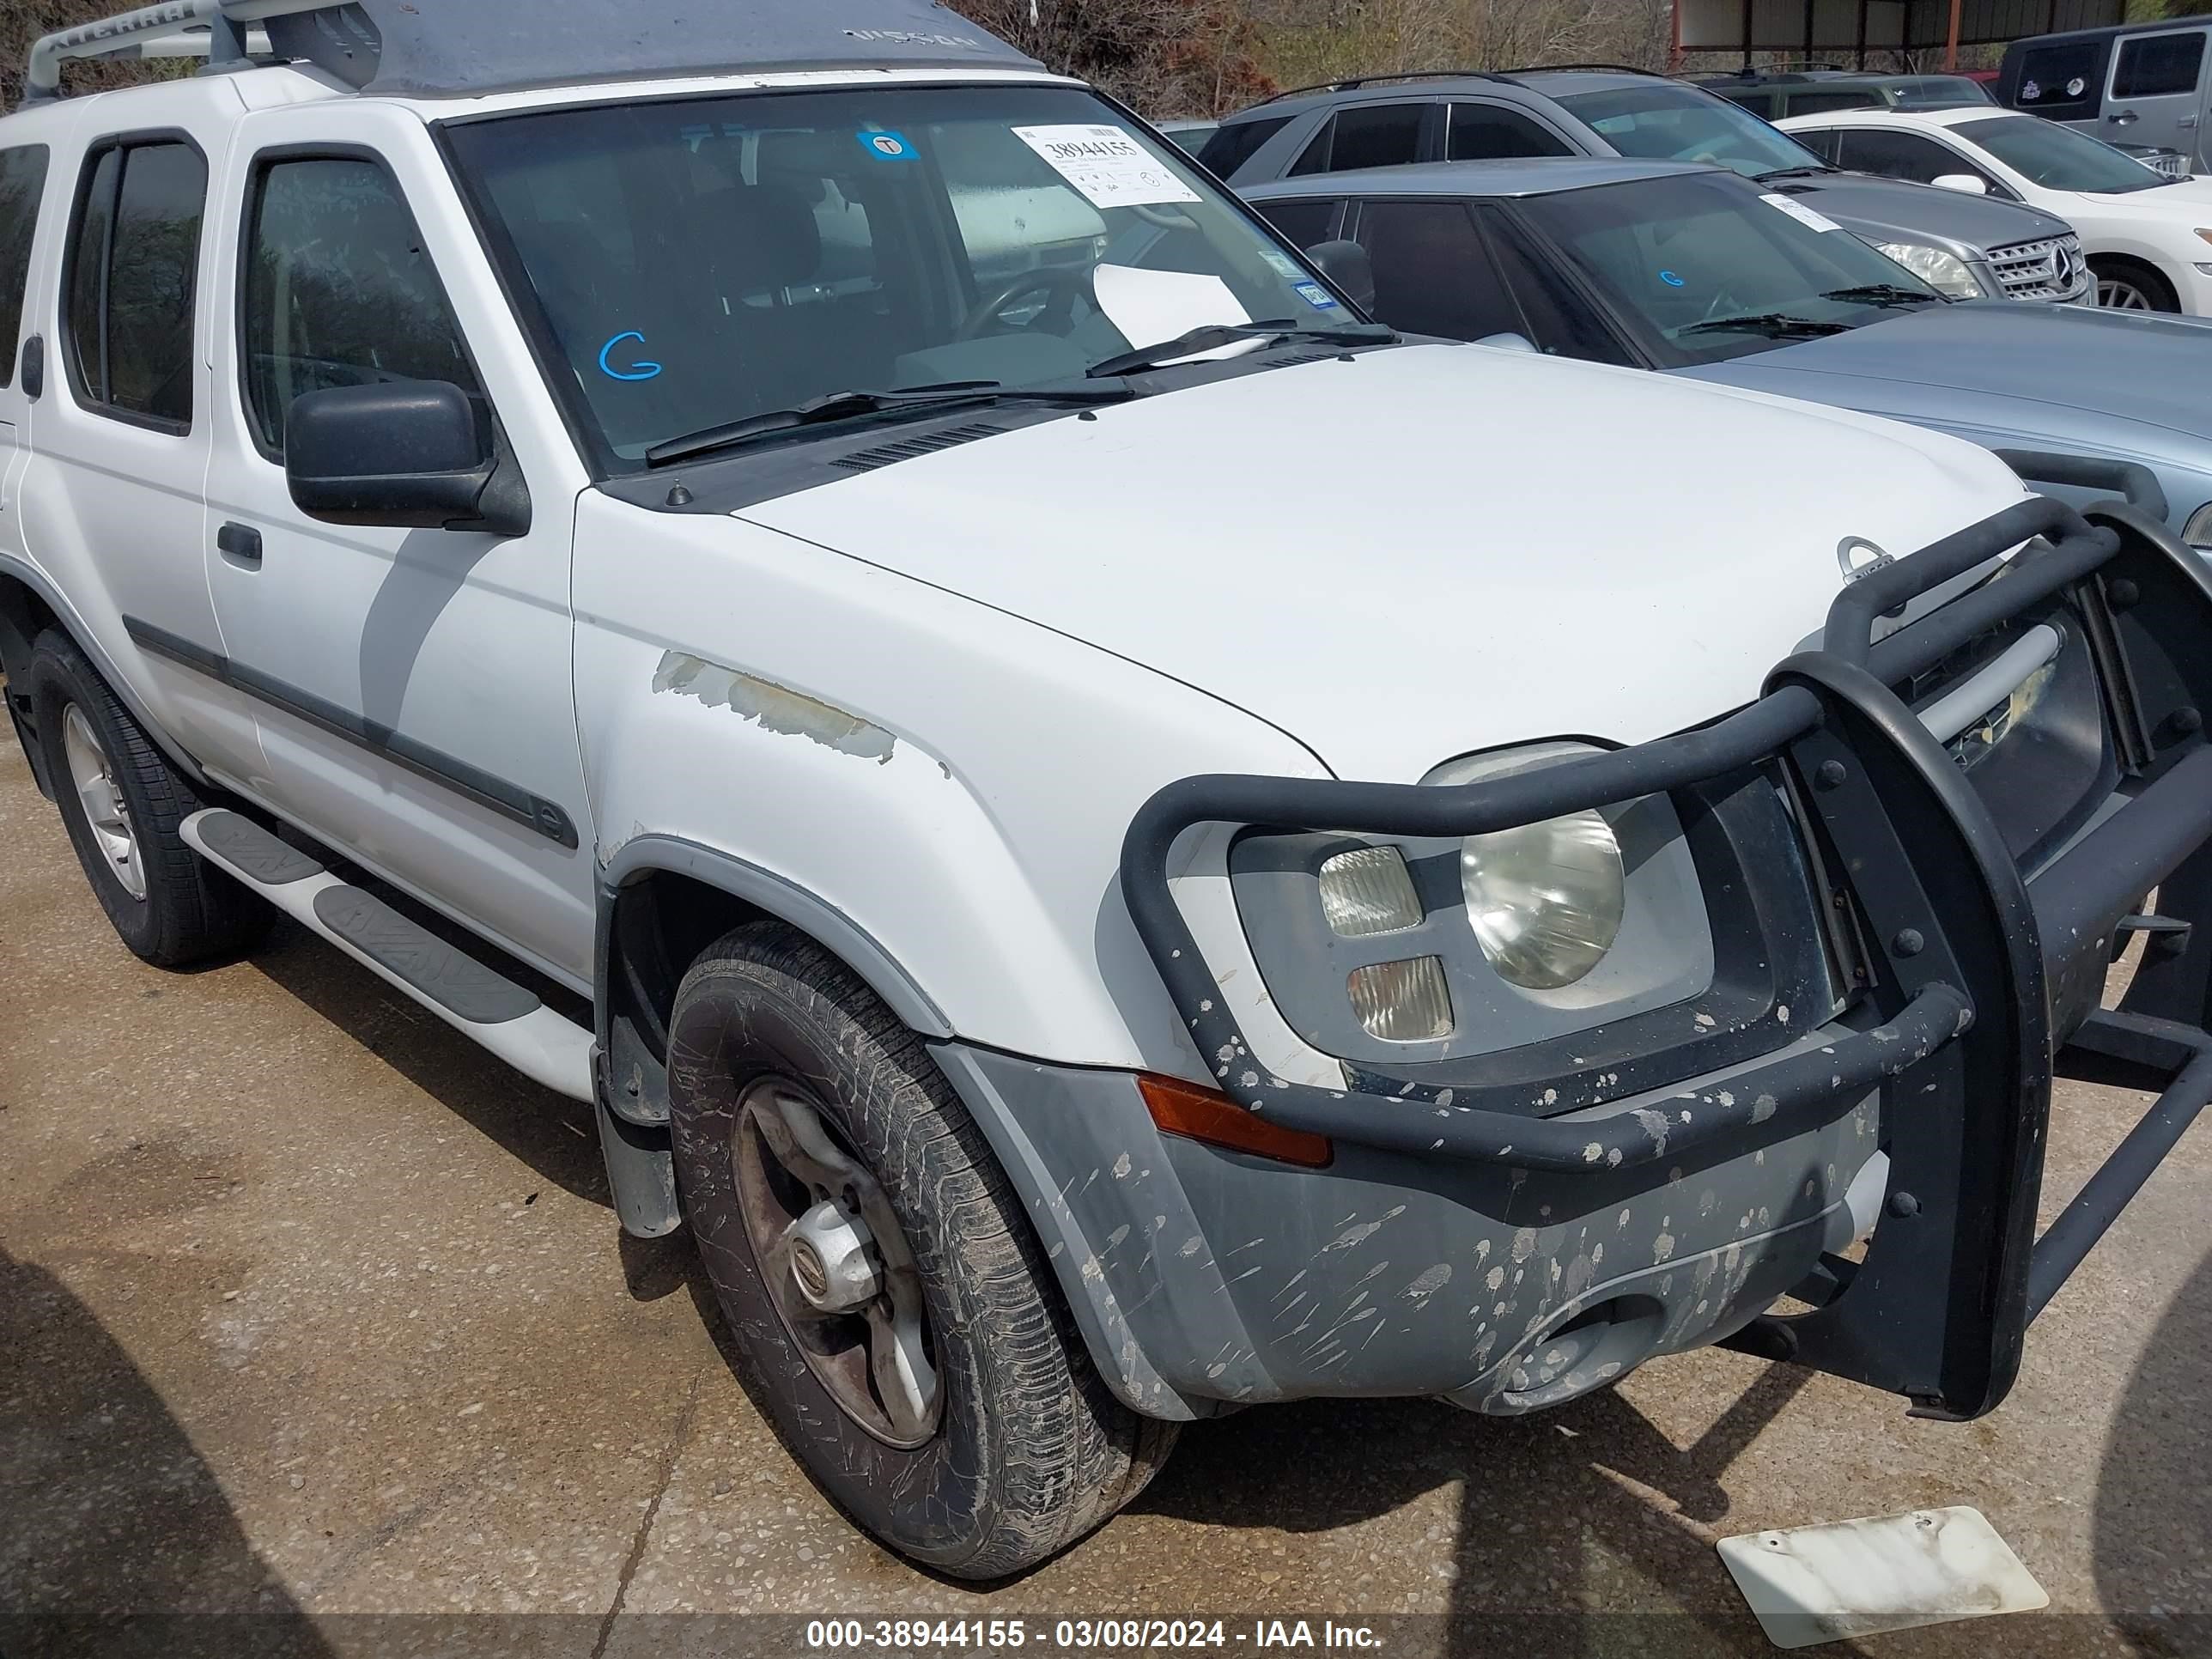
point(1966, 248)
point(2147, 84)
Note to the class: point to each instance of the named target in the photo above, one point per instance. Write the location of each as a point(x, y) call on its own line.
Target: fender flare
point(72, 624)
point(830, 927)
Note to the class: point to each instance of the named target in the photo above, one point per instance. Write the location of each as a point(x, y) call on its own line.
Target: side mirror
point(412, 454)
point(1965, 184)
point(1347, 264)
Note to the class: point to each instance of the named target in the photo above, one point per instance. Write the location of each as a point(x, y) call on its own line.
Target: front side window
point(1306, 223)
point(338, 290)
point(2059, 158)
point(1377, 136)
point(134, 263)
point(1706, 268)
point(1661, 122)
point(22, 180)
point(2158, 65)
point(697, 263)
point(1432, 273)
point(1486, 132)
point(1901, 155)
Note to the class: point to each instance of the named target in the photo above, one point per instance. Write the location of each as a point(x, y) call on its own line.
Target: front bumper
point(1978, 984)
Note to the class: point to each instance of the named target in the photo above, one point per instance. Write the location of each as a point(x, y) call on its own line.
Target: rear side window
point(22, 178)
point(1432, 273)
point(134, 262)
point(338, 290)
point(1305, 223)
point(2155, 65)
point(2062, 81)
point(1234, 145)
point(1487, 132)
point(1760, 104)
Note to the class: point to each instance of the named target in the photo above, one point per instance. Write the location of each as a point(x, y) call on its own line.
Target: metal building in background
point(1851, 30)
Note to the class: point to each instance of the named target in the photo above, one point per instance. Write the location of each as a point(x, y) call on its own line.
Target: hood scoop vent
point(905, 449)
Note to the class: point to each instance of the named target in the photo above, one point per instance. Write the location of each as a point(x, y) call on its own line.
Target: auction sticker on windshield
point(1800, 212)
point(1111, 168)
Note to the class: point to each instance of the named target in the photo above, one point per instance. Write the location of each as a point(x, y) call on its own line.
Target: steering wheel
point(1049, 279)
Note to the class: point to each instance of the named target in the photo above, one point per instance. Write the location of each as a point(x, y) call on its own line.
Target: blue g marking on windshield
point(637, 371)
point(1670, 279)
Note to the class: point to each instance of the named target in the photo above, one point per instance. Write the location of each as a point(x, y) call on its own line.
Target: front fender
point(935, 790)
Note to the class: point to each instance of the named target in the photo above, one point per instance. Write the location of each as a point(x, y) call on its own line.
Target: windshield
point(701, 262)
point(2058, 158)
point(1667, 123)
point(1939, 92)
point(1706, 267)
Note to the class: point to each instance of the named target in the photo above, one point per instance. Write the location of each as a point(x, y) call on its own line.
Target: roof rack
point(1613, 69)
point(1347, 84)
point(216, 29)
point(466, 48)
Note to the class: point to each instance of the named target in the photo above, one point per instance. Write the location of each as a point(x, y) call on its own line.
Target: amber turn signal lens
point(1182, 1108)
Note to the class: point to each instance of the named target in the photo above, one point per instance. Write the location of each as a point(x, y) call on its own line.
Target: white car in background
point(2148, 237)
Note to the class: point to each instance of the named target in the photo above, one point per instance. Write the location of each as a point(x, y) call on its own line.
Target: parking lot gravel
point(318, 1336)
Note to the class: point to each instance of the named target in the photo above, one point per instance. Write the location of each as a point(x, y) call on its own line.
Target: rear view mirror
point(412, 454)
point(1347, 264)
point(1965, 184)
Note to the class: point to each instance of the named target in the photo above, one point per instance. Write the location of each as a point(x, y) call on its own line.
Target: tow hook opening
point(1588, 1350)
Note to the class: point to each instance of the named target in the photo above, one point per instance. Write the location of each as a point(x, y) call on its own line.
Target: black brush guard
point(1983, 985)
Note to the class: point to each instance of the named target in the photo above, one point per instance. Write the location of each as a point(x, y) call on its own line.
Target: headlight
point(1546, 900)
point(2197, 532)
point(1945, 272)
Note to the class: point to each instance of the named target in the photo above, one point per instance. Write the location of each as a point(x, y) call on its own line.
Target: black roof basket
point(464, 48)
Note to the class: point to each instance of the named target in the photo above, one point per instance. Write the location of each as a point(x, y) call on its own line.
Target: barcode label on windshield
point(1111, 168)
point(1802, 215)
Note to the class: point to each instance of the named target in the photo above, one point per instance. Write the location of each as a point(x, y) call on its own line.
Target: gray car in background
point(1969, 247)
point(1691, 271)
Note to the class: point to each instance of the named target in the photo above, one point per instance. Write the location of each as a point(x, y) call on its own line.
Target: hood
point(2187, 204)
point(1892, 210)
point(1426, 551)
point(2122, 382)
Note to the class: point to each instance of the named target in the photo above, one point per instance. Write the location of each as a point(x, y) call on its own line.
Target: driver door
point(411, 687)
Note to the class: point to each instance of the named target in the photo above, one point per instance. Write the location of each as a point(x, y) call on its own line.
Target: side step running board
point(506, 1018)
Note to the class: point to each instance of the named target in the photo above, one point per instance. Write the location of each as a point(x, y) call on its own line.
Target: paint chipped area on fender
point(774, 707)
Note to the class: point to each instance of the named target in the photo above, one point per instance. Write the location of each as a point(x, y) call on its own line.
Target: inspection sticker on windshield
point(1801, 214)
point(1111, 168)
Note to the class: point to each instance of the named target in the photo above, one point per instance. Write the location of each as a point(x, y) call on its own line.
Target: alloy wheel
point(836, 1264)
point(101, 796)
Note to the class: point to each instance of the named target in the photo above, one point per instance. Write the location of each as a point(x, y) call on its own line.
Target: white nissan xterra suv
point(1117, 842)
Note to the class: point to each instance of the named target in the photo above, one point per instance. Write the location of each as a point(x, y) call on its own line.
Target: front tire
point(893, 1312)
point(121, 802)
point(2125, 285)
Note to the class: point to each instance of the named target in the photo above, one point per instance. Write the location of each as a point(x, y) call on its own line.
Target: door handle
point(2187, 121)
point(239, 544)
point(32, 367)
point(2123, 119)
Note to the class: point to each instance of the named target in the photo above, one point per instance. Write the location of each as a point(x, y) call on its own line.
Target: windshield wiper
point(1804, 170)
point(850, 405)
point(1207, 338)
point(1883, 293)
point(1766, 322)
